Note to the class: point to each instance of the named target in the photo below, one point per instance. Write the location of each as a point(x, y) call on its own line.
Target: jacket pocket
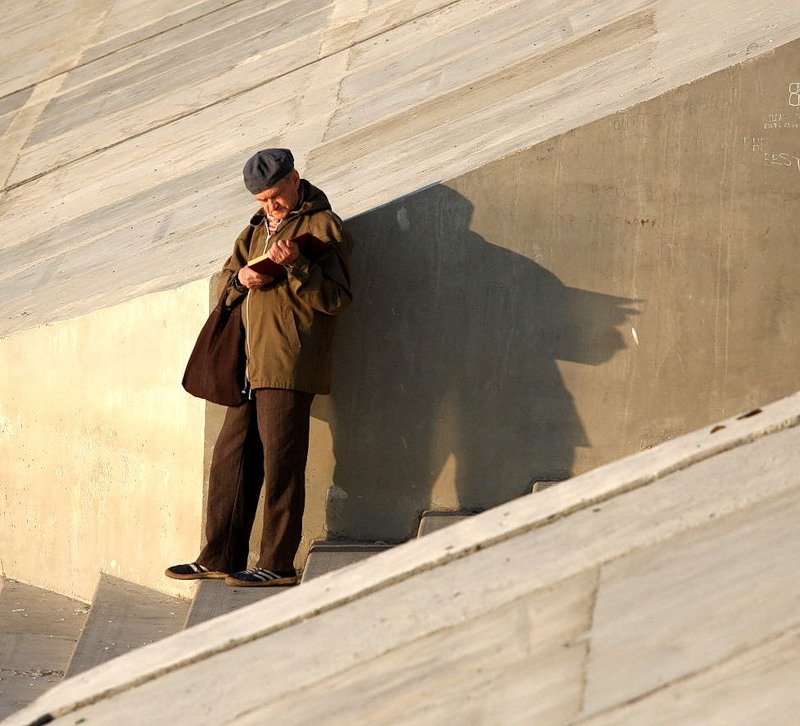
point(292, 335)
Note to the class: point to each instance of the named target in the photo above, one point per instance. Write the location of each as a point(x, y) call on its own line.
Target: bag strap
point(225, 289)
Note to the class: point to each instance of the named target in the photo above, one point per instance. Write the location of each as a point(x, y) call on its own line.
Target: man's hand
point(252, 279)
point(284, 252)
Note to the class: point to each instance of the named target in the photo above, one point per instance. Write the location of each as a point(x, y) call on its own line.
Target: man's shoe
point(259, 577)
point(193, 571)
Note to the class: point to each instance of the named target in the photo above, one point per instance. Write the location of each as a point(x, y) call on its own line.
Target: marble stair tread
point(539, 485)
point(324, 556)
point(124, 616)
point(432, 521)
point(215, 598)
point(39, 630)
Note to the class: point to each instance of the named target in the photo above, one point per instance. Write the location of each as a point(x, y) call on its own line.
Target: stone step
point(324, 557)
point(39, 630)
point(124, 616)
point(431, 520)
point(215, 598)
point(539, 485)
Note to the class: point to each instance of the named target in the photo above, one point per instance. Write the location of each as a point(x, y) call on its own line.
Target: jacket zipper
point(248, 390)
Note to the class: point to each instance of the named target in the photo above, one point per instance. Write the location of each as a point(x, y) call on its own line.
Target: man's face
point(279, 199)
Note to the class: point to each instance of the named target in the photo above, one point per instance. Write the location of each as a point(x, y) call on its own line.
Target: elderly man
point(289, 322)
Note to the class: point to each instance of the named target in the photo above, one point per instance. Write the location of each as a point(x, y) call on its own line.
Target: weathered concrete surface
point(656, 619)
point(38, 630)
point(636, 279)
point(138, 140)
point(124, 616)
point(214, 598)
point(324, 557)
point(540, 591)
point(101, 451)
point(434, 521)
point(503, 667)
point(570, 304)
point(758, 686)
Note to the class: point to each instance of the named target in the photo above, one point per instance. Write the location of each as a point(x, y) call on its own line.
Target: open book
point(309, 246)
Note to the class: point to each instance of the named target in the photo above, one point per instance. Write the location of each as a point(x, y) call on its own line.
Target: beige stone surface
point(214, 598)
point(446, 580)
point(758, 686)
point(120, 170)
point(38, 630)
point(700, 599)
point(123, 617)
point(324, 557)
point(101, 450)
point(139, 147)
point(519, 664)
point(165, 104)
point(45, 39)
point(586, 298)
point(432, 521)
point(654, 248)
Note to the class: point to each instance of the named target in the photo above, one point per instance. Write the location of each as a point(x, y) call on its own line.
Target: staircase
point(39, 630)
point(47, 636)
point(124, 616)
point(615, 598)
point(214, 598)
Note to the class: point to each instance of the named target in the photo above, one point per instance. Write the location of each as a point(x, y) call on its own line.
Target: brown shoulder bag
point(216, 367)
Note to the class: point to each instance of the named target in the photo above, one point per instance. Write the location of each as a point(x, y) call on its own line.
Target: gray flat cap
point(266, 167)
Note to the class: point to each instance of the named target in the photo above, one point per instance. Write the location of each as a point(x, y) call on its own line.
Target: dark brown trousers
point(263, 441)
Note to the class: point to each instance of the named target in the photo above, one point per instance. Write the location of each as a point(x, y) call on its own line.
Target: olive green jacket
point(289, 323)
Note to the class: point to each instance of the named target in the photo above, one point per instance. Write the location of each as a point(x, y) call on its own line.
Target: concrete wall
point(159, 103)
point(491, 343)
point(584, 299)
point(101, 451)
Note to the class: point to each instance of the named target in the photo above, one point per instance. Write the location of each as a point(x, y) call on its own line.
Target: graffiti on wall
point(770, 141)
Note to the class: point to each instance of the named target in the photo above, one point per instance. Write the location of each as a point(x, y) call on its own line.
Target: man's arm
point(324, 283)
point(240, 277)
point(234, 263)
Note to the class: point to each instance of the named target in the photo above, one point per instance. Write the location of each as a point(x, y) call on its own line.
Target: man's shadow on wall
point(447, 361)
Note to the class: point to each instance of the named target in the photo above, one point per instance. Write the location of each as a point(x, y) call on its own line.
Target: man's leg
point(237, 472)
point(283, 421)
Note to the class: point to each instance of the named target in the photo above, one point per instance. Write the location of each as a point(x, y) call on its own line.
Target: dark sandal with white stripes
point(259, 577)
point(193, 571)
